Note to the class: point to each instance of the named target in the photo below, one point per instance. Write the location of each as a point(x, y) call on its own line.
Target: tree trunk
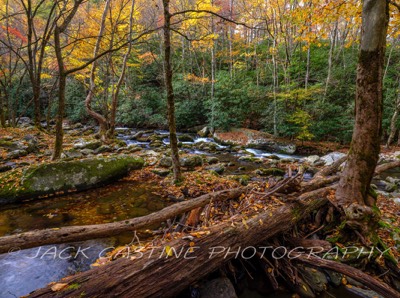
point(393, 121)
point(330, 58)
point(115, 94)
point(156, 275)
point(170, 93)
point(88, 101)
point(2, 112)
point(62, 80)
point(352, 193)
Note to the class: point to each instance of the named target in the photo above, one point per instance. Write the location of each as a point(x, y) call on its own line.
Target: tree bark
point(170, 93)
point(155, 276)
point(365, 146)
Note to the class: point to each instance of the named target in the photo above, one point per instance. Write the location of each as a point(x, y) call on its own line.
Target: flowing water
point(23, 271)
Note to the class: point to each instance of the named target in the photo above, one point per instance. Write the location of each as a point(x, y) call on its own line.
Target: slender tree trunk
point(275, 85)
point(2, 112)
point(230, 39)
point(352, 194)
point(88, 101)
point(115, 95)
point(62, 79)
point(307, 77)
point(170, 93)
point(330, 58)
point(393, 121)
point(213, 70)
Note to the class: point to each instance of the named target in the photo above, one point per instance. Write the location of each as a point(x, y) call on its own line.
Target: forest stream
point(23, 271)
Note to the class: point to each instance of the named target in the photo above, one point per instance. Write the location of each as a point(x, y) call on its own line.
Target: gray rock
point(103, 149)
point(334, 278)
point(204, 132)
point(218, 288)
point(185, 138)
point(192, 161)
point(73, 154)
point(165, 162)
point(332, 157)
point(161, 172)
point(156, 144)
point(393, 180)
point(87, 151)
point(312, 159)
point(137, 135)
point(218, 168)
point(16, 154)
point(315, 278)
point(88, 145)
point(212, 160)
point(270, 172)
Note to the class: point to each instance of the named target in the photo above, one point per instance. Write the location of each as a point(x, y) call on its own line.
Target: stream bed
point(22, 271)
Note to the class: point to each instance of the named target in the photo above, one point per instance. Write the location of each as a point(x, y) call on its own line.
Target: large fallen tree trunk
point(156, 275)
point(80, 233)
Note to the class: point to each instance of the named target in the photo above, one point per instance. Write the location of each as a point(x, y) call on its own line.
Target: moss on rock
point(52, 178)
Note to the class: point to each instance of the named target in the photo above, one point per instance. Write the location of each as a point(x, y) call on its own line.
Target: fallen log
point(155, 275)
point(80, 233)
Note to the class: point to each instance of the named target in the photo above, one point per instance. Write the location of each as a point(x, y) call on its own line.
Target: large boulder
point(254, 139)
point(52, 178)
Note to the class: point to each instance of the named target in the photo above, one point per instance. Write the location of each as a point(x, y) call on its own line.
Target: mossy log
point(64, 176)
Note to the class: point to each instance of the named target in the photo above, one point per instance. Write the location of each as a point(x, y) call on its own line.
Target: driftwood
point(80, 233)
point(155, 276)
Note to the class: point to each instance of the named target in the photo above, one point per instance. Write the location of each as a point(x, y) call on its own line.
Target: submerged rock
point(51, 178)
